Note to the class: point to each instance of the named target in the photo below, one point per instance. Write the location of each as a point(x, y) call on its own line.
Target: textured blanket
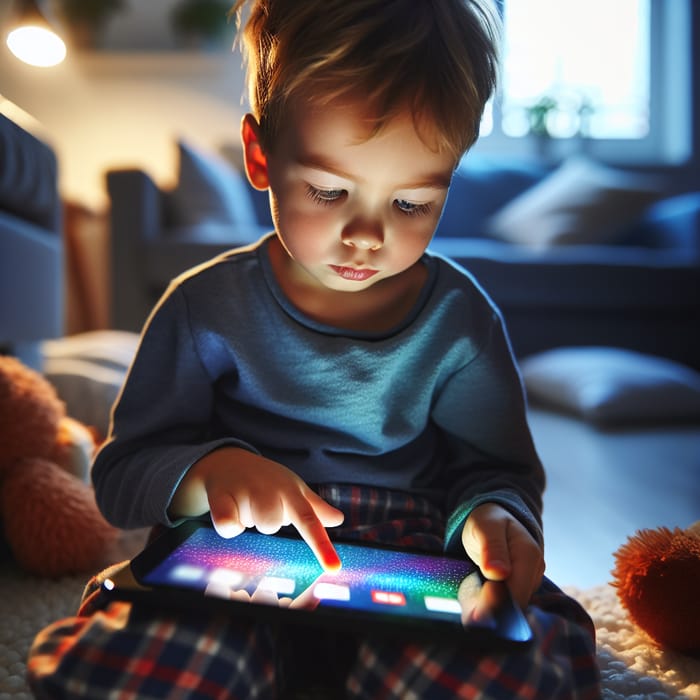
point(631, 665)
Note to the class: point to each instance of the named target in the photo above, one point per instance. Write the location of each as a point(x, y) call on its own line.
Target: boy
point(333, 375)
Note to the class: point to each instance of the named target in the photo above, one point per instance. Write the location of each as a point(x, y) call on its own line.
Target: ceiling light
point(31, 37)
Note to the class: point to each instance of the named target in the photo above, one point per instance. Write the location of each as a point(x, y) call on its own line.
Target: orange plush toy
point(48, 514)
point(657, 575)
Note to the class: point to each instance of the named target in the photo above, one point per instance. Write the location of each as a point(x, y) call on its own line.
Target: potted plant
point(538, 114)
point(201, 23)
point(86, 19)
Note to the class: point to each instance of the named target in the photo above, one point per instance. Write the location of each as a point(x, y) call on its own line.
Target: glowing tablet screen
point(284, 572)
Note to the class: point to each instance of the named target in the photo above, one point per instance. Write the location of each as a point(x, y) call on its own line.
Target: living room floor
point(603, 486)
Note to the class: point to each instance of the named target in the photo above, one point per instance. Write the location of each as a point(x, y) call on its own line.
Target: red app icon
point(388, 598)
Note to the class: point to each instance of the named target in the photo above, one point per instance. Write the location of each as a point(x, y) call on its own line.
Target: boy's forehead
point(339, 139)
point(317, 125)
point(341, 112)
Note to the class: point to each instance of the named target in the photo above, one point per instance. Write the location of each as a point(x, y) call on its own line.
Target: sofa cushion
point(615, 279)
point(28, 177)
point(187, 247)
point(611, 386)
point(208, 191)
point(31, 282)
point(670, 224)
point(232, 153)
point(581, 202)
point(480, 187)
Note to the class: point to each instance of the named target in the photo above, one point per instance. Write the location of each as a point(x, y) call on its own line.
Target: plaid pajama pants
point(122, 651)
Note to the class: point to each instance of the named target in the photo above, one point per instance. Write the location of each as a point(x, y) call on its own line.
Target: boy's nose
point(363, 236)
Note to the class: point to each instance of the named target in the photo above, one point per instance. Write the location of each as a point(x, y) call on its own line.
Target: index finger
point(312, 531)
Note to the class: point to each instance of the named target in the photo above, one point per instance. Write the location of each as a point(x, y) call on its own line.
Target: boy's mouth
point(353, 273)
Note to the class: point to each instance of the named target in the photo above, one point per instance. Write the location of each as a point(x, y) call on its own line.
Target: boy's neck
point(377, 309)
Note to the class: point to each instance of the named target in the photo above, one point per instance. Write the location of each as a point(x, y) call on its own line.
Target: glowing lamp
point(32, 39)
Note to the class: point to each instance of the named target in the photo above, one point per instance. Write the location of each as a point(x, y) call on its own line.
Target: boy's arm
point(492, 456)
point(161, 464)
point(495, 478)
point(161, 422)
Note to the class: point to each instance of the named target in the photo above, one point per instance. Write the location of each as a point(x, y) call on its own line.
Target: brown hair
point(438, 57)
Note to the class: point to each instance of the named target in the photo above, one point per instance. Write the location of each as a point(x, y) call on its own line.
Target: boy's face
point(352, 210)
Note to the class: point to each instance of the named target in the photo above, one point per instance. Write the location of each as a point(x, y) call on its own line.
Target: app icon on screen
point(331, 591)
point(388, 598)
point(226, 577)
point(277, 584)
point(446, 605)
point(184, 573)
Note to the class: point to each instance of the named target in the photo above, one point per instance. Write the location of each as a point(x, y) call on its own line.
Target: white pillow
point(209, 190)
point(88, 389)
point(580, 202)
point(87, 371)
point(610, 386)
point(113, 349)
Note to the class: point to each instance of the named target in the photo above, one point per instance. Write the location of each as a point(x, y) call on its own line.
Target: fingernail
point(331, 561)
point(500, 567)
point(229, 530)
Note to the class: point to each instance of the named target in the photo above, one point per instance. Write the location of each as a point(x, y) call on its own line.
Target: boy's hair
point(436, 57)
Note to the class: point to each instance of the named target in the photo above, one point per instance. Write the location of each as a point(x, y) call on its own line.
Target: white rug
point(631, 666)
point(28, 603)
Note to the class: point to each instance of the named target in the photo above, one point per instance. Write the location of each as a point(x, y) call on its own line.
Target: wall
point(113, 108)
point(118, 108)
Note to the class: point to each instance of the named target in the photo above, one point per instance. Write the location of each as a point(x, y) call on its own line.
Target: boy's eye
point(412, 209)
point(323, 196)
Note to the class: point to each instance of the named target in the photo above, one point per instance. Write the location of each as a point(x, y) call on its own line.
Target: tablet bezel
point(506, 628)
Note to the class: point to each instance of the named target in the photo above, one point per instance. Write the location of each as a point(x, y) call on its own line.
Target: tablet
point(378, 590)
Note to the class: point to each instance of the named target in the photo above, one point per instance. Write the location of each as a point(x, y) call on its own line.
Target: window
point(610, 77)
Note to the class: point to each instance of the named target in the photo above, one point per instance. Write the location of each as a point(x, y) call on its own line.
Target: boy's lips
point(356, 274)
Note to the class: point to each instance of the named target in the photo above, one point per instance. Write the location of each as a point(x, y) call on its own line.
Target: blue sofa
point(31, 243)
point(638, 290)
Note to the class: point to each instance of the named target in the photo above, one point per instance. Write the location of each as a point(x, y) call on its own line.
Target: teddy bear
point(48, 515)
point(657, 576)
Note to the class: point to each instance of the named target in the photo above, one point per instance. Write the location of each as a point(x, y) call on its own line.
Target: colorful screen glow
point(283, 571)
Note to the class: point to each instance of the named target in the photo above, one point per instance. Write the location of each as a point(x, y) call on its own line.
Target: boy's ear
point(253, 155)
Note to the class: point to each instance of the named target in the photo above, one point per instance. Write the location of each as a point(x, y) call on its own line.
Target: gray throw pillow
point(209, 191)
point(612, 386)
point(581, 202)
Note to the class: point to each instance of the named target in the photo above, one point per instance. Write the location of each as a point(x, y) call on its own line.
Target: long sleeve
point(492, 457)
point(161, 424)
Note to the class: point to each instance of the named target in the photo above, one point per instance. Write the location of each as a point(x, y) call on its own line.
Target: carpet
point(631, 665)
point(27, 604)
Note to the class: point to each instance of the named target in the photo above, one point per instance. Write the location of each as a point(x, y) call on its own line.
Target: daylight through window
point(576, 68)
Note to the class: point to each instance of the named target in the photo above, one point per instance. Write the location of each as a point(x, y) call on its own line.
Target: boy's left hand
point(501, 546)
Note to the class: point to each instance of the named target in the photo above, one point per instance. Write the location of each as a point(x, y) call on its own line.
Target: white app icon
point(187, 573)
point(446, 605)
point(276, 584)
point(331, 591)
point(226, 577)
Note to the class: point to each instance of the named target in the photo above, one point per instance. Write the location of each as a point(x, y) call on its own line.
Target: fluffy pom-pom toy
point(48, 514)
point(657, 576)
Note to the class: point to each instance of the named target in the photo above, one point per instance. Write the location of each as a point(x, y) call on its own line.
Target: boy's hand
point(500, 545)
point(242, 489)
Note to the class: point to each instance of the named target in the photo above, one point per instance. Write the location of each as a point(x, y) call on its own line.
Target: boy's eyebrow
point(430, 180)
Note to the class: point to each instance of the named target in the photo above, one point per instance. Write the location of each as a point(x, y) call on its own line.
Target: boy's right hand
point(241, 489)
